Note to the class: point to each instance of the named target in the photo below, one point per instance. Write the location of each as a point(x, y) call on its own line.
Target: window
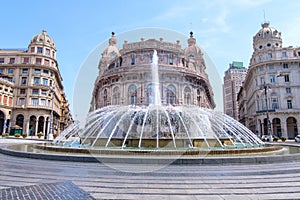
point(1, 70)
point(32, 49)
point(10, 79)
point(11, 60)
point(40, 49)
point(46, 72)
point(53, 54)
point(23, 80)
point(38, 61)
point(34, 101)
point(51, 73)
point(132, 61)
point(35, 91)
point(37, 71)
point(289, 104)
point(44, 92)
point(10, 101)
point(132, 90)
point(262, 80)
point(284, 54)
point(50, 82)
point(47, 52)
point(288, 90)
point(24, 71)
point(26, 60)
point(22, 91)
point(21, 101)
point(36, 80)
point(171, 60)
point(285, 65)
point(274, 102)
point(286, 78)
point(272, 79)
point(270, 55)
point(271, 67)
point(43, 102)
point(1, 60)
point(46, 62)
point(45, 81)
point(10, 71)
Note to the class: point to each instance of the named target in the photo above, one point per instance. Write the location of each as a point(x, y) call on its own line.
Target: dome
point(43, 39)
point(112, 50)
point(267, 37)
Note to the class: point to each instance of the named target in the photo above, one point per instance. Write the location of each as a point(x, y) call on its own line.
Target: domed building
point(125, 74)
point(269, 98)
point(39, 100)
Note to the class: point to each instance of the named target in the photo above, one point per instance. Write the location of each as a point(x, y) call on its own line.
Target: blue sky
point(224, 29)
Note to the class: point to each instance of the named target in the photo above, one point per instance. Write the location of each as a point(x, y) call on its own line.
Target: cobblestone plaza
point(23, 178)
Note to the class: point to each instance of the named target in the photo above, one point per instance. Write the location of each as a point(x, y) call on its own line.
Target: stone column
point(26, 125)
point(283, 127)
point(44, 126)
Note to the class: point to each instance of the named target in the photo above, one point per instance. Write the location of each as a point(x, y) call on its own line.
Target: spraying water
point(158, 125)
point(155, 79)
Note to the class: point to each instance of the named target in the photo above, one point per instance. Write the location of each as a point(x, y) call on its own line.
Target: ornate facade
point(125, 74)
point(271, 86)
point(37, 87)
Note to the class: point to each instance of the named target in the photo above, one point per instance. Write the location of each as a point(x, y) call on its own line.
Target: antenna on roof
point(264, 16)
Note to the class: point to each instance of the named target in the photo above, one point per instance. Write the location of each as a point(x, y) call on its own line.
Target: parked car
point(297, 138)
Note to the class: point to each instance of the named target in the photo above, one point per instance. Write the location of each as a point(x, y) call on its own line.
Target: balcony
point(264, 111)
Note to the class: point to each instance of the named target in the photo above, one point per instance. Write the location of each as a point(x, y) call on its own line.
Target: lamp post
point(265, 87)
point(51, 115)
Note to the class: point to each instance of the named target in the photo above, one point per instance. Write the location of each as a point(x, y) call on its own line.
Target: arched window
point(132, 60)
point(132, 91)
point(116, 95)
point(198, 97)
point(291, 126)
point(149, 94)
point(171, 60)
point(105, 97)
point(187, 95)
point(32, 125)
point(171, 97)
point(20, 120)
point(41, 123)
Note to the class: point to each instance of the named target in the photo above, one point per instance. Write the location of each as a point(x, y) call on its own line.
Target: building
point(37, 100)
point(233, 80)
point(125, 74)
point(6, 102)
point(272, 86)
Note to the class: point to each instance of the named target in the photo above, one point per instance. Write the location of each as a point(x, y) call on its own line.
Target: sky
point(223, 28)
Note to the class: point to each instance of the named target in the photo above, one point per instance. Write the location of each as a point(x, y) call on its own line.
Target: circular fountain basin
point(261, 155)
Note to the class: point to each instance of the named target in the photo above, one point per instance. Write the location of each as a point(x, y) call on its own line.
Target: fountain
point(158, 127)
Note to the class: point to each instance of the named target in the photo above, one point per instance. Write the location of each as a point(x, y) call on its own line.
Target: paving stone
point(49, 191)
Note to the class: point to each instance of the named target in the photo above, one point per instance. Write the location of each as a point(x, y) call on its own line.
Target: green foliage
point(40, 134)
point(5, 134)
point(17, 135)
point(275, 139)
point(283, 138)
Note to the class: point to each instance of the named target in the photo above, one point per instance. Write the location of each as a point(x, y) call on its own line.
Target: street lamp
point(51, 115)
point(265, 87)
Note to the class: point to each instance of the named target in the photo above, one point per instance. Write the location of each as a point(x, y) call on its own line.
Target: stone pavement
point(127, 181)
point(51, 191)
